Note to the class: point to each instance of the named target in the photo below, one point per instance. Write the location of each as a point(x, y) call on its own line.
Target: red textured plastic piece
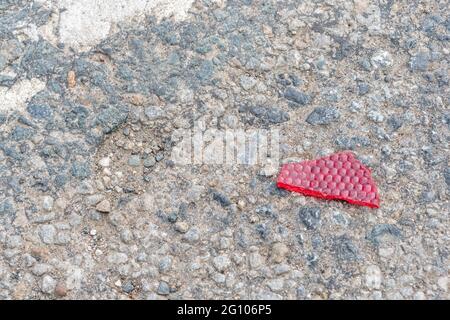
point(339, 176)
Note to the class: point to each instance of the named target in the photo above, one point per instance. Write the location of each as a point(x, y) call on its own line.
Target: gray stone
point(447, 176)
point(63, 238)
point(281, 269)
point(263, 231)
point(297, 96)
point(47, 203)
point(149, 162)
point(340, 218)
point(128, 287)
point(20, 133)
point(375, 116)
point(14, 241)
point(365, 64)
point(40, 269)
point(111, 118)
point(247, 82)
point(266, 211)
point(276, 285)
point(154, 112)
point(323, 116)
point(382, 59)
point(192, 236)
point(48, 284)
point(310, 217)
point(205, 70)
point(363, 88)
point(395, 122)
point(221, 263)
point(419, 62)
point(256, 260)
point(181, 226)
point(159, 156)
point(94, 199)
point(374, 277)
point(264, 115)
point(81, 170)
point(126, 236)
point(381, 230)
point(301, 293)
point(163, 288)
point(345, 249)
point(165, 264)
point(117, 258)
point(275, 116)
point(219, 278)
point(351, 143)
point(40, 111)
point(355, 107)
point(221, 198)
point(134, 161)
point(47, 233)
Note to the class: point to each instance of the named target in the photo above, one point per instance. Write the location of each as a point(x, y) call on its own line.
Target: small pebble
point(134, 161)
point(181, 226)
point(163, 289)
point(104, 206)
point(60, 290)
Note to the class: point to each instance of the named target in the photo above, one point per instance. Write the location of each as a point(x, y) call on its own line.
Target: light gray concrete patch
point(15, 98)
point(84, 23)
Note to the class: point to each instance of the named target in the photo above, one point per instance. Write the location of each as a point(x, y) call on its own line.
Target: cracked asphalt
point(96, 96)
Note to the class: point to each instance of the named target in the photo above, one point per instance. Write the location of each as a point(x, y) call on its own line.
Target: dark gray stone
point(297, 96)
point(3, 118)
point(395, 122)
point(20, 133)
point(264, 115)
point(7, 209)
point(273, 190)
point(111, 118)
point(154, 112)
point(172, 217)
point(263, 231)
point(323, 116)
point(310, 217)
point(363, 88)
point(134, 161)
point(427, 196)
point(345, 249)
point(128, 287)
point(381, 230)
point(205, 70)
point(81, 170)
point(274, 115)
point(7, 81)
point(447, 176)
point(159, 156)
point(419, 62)
point(149, 162)
point(312, 260)
point(221, 198)
point(75, 117)
point(40, 59)
point(351, 143)
point(163, 288)
point(39, 111)
point(266, 211)
point(366, 65)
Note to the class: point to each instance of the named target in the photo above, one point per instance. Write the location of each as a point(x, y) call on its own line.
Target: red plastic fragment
point(339, 176)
